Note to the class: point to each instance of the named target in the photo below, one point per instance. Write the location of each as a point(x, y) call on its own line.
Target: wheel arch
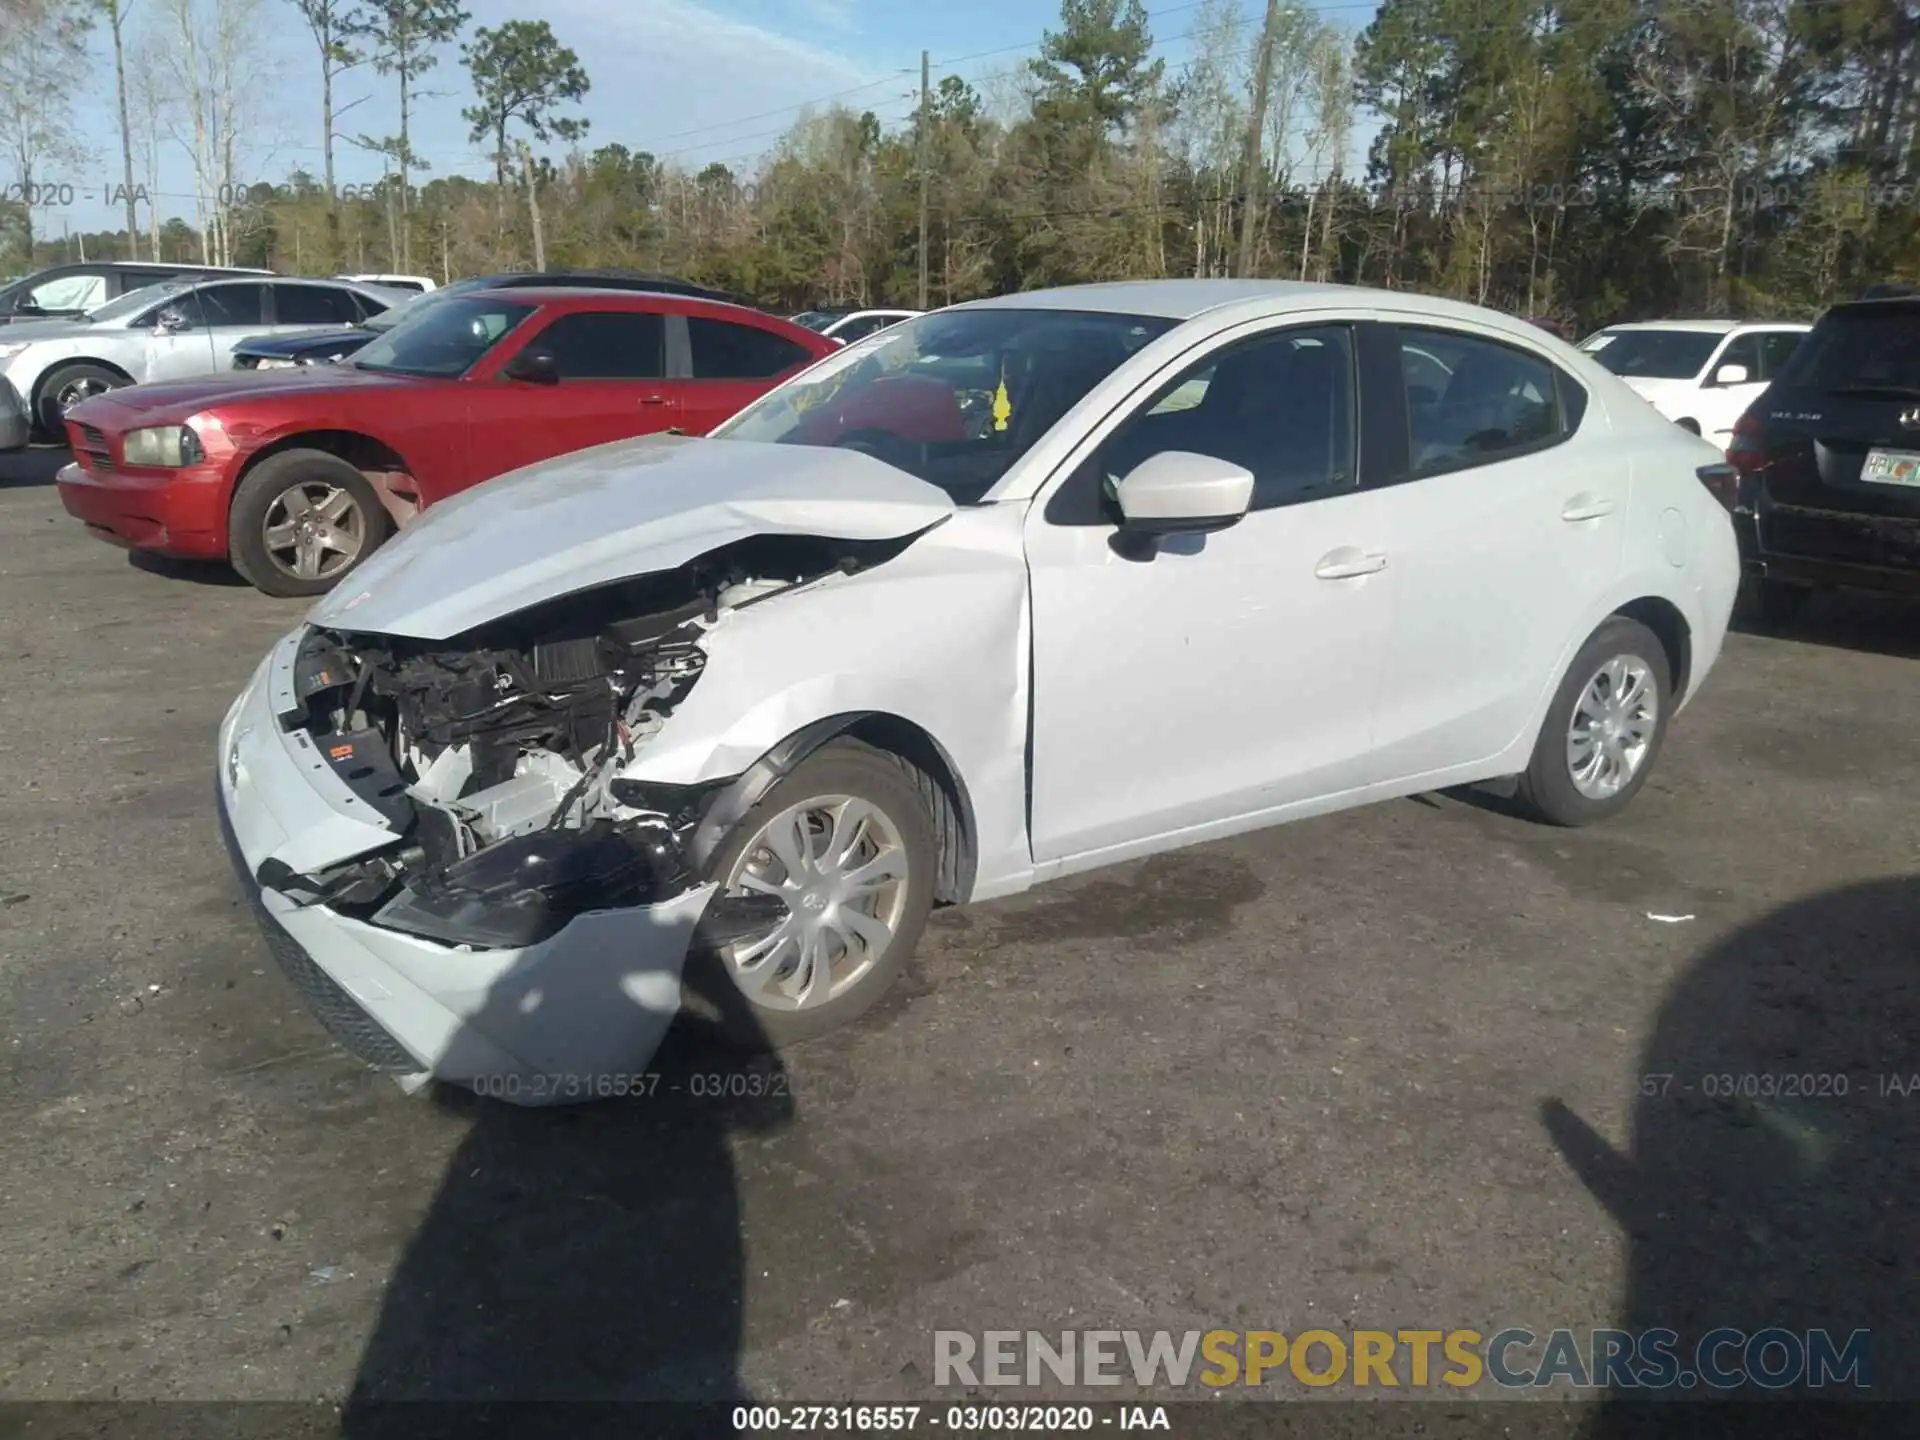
point(67, 362)
point(935, 775)
point(374, 458)
point(1671, 629)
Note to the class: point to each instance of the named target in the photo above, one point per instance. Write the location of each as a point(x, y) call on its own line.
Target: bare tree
point(116, 14)
point(150, 93)
point(334, 24)
point(41, 61)
point(216, 59)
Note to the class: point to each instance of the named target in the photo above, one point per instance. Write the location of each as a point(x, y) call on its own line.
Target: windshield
point(442, 340)
point(407, 309)
point(1863, 349)
point(1654, 354)
point(815, 319)
point(953, 398)
point(134, 301)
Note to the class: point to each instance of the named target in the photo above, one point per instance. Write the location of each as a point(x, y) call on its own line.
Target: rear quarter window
point(723, 350)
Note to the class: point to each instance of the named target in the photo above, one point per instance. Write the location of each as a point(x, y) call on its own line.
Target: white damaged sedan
point(1009, 591)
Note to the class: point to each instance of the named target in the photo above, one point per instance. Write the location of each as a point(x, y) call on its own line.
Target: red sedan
point(295, 476)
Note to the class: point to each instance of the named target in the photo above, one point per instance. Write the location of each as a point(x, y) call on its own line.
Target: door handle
point(1348, 563)
point(1587, 507)
point(655, 400)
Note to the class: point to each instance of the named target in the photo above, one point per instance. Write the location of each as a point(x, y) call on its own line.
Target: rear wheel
point(301, 520)
point(1603, 730)
point(66, 387)
point(845, 843)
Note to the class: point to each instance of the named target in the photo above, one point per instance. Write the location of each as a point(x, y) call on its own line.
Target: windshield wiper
point(1892, 392)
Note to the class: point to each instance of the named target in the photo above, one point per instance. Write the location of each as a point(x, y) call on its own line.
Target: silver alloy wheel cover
point(1611, 731)
point(841, 867)
point(74, 391)
point(313, 530)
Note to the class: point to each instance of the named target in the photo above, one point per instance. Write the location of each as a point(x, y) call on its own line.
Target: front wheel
point(845, 843)
point(66, 387)
point(301, 520)
point(1603, 730)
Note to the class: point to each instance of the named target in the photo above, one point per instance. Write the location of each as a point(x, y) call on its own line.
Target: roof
point(1711, 327)
point(549, 294)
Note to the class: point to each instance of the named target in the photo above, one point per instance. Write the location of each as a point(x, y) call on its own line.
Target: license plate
point(1892, 467)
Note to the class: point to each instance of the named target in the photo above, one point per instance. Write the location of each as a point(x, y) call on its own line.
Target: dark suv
point(1829, 461)
point(324, 346)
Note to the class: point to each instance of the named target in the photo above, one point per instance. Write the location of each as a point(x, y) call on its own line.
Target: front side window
point(1497, 401)
point(955, 397)
point(1280, 405)
point(444, 339)
point(725, 351)
point(69, 292)
point(1776, 348)
point(624, 345)
point(1654, 354)
point(1742, 350)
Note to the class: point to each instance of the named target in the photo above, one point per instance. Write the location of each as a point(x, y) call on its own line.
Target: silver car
point(171, 331)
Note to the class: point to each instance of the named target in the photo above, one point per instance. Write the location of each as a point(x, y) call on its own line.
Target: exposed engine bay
point(496, 755)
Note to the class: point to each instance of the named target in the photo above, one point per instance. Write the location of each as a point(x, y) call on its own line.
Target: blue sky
point(693, 80)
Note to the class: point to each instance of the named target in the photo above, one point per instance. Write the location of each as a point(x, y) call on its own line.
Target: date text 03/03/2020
point(641, 1085)
point(950, 1419)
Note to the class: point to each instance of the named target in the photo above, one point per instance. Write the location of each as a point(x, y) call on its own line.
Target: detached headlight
point(167, 446)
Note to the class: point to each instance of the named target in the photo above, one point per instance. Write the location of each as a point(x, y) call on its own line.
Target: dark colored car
point(323, 347)
point(67, 292)
point(296, 478)
point(1828, 461)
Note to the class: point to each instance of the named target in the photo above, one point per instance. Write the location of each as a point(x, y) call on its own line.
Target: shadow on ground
point(1871, 624)
point(36, 466)
point(590, 1254)
point(1771, 1177)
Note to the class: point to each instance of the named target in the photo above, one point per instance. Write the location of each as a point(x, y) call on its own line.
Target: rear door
point(731, 364)
point(1506, 523)
point(234, 310)
point(309, 307)
point(1840, 443)
point(612, 368)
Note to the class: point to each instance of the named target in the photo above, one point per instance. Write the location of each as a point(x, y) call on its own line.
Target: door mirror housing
point(1180, 493)
point(1730, 375)
point(171, 321)
point(534, 367)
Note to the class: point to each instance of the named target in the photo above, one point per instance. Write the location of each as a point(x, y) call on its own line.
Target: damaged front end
point(495, 756)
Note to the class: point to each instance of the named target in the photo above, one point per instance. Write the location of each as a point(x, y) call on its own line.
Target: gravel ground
point(1384, 1069)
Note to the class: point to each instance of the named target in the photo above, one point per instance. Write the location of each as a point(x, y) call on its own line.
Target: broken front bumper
point(573, 1017)
point(16, 424)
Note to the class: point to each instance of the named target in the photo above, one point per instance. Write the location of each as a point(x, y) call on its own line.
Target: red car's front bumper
point(182, 512)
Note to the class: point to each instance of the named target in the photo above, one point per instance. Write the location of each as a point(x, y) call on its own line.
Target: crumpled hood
point(634, 507)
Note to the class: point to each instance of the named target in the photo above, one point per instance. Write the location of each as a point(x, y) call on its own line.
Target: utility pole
point(1256, 134)
point(926, 116)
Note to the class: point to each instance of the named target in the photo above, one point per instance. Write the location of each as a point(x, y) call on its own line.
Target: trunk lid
point(615, 512)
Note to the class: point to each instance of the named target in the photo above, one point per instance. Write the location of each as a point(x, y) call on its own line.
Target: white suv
point(1700, 374)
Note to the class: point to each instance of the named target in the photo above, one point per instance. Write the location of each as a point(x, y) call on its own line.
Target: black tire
point(1547, 791)
point(47, 409)
point(1775, 603)
point(263, 488)
point(847, 767)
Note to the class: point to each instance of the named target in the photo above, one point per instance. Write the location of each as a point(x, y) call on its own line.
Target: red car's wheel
point(301, 520)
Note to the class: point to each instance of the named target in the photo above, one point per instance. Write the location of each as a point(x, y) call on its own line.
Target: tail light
point(1748, 451)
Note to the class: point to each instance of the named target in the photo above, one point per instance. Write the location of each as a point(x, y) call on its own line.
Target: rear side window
point(1472, 401)
point(624, 345)
point(1874, 347)
point(233, 305)
point(725, 351)
point(314, 305)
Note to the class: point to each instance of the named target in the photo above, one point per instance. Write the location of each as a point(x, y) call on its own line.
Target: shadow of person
point(589, 1254)
point(1772, 1176)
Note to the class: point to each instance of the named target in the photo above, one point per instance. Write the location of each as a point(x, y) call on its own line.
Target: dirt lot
point(1381, 1069)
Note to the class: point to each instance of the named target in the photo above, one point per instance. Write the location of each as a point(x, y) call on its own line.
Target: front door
point(181, 343)
point(612, 368)
point(1230, 674)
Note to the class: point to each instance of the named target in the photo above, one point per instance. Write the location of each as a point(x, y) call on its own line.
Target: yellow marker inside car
point(1002, 407)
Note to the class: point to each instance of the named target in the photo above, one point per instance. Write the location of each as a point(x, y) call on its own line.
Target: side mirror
point(534, 367)
point(1730, 375)
point(1180, 493)
point(171, 321)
